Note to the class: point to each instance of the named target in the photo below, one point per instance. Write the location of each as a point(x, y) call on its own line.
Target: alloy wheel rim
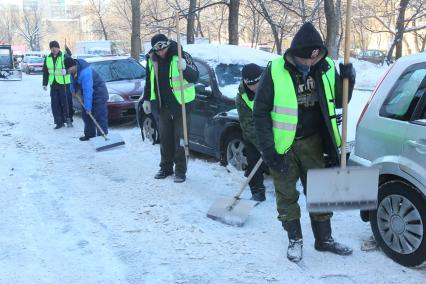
point(400, 224)
point(148, 129)
point(235, 154)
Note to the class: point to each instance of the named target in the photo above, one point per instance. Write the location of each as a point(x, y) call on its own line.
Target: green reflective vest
point(249, 103)
point(189, 88)
point(55, 70)
point(284, 113)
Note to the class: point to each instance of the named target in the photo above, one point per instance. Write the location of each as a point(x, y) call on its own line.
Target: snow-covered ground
point(72, 215)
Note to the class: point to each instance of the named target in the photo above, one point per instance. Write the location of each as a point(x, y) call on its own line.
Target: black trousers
point(61, 103)
point(253, 155)
point(171, 134)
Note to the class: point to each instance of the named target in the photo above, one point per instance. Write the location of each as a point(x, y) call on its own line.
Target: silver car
point(391, 135)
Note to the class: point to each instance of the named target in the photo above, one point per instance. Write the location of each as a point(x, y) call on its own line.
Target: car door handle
point(421, 147)
point(213, 106)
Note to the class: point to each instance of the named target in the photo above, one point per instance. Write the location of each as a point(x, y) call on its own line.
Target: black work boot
point(84, 138)
point(324, 241)
point(179, 177)
point(295, 240)
point(162, 174)
point(258, 194)
point(59, 125)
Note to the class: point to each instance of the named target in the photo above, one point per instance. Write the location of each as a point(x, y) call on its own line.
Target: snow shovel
point(343, 188)
point(183, 143)
point(234, 211)
point(105, 142)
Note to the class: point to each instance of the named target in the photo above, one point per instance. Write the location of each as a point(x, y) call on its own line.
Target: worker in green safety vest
point(54, 75)
point(244, 102)
point(296, 127)
point(162, 95)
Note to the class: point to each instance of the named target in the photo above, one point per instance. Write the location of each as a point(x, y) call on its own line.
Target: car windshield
point(117, 70)
point(228, 78)
point(36, 60)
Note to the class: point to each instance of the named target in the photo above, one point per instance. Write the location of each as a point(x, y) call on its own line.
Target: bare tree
point(190, 27)
point(136, 29)
point(277, 17)
point(98, 9)
point(332, 15)
point(234, 8)
point(29, 27)
point(7, 25)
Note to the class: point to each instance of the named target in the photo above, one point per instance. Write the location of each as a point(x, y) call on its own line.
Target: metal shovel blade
point(342, 189)
point(101, 144)
point(235, 216)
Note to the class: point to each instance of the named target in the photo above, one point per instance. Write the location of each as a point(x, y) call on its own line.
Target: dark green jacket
point(246, 116)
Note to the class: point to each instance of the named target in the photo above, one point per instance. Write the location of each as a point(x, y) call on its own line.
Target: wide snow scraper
point(234, 211)
point(344, 187)
point(105, 141)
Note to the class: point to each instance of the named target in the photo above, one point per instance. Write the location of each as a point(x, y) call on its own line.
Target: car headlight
point(114, 98)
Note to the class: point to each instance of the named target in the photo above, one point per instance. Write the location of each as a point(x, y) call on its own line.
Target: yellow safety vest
point(55, 70)
point(189, 88)
point(285, 111)
point(249, 103)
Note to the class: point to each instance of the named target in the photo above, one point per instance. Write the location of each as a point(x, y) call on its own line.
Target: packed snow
point(73, 215)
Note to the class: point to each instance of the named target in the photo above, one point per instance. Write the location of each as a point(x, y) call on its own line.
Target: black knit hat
point(53, 43)
point(307, 42)
point(159, 42)
point(69, 62)
point(251, 74)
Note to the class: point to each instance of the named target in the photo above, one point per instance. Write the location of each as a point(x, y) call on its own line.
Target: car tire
point(28, 71)
point(234, 151)
point(399, 223)
point(149, 129)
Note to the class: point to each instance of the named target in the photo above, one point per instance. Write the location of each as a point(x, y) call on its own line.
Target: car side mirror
point(200, 88)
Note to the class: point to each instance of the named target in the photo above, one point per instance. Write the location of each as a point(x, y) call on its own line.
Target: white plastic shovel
point(345, 187)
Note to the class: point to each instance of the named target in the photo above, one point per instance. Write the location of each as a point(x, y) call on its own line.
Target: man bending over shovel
point(95, 95)
point(295, 121)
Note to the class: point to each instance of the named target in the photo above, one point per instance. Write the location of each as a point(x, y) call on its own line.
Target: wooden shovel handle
point(346, 85)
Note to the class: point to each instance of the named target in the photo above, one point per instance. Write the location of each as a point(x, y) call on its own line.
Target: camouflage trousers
point(305, 154)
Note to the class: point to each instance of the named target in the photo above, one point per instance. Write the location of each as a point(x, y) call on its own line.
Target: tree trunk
point(190, 27)
point(399, 33)
point(136, 30)
point(234, 7)
point(332, 20)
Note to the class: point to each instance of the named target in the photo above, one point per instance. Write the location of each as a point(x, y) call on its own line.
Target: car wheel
point(28, 71)
point(235, 151)
point(149, 128)
point(399, 223)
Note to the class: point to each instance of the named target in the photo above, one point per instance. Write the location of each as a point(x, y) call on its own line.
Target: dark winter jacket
point(246, 115)
point(166, 97)
point(46, 71)
point(264, 98)
point(90, 83)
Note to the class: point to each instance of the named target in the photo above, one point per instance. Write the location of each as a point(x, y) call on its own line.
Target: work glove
point(63, 71)
point(274, 160)
point(182, 64)
point(146, 107)
point(45, 88)
point(347, 71)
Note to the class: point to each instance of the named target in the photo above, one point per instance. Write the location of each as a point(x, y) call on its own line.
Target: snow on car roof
point(229, 54)
point(105, 58)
